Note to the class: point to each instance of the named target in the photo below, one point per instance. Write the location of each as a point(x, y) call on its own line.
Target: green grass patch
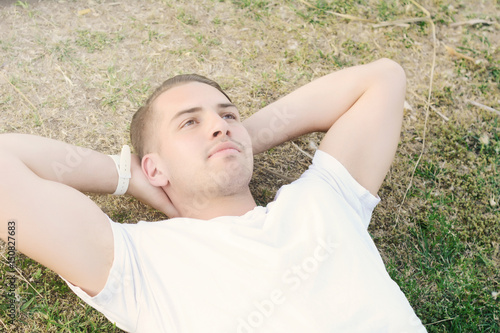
point(452, 241)
point(94, 41)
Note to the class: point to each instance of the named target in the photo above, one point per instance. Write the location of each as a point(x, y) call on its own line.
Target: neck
point(205, 208)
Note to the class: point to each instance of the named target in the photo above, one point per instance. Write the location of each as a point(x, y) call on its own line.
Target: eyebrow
point(199, 108)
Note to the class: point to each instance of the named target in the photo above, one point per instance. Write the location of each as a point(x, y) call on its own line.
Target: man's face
point(204, 149)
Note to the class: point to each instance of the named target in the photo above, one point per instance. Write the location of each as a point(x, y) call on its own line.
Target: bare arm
point(360, 108)
point(57, 225)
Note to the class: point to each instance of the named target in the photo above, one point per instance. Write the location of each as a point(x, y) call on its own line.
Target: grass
point(86, 74)
point(453, 238)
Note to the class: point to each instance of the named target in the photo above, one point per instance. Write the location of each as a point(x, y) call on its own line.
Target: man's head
point(142, 128)
point(194, 145)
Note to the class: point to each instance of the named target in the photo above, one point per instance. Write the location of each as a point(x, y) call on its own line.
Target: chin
point(231, 178)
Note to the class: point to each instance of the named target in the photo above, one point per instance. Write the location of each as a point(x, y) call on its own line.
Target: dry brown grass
point(77, 71)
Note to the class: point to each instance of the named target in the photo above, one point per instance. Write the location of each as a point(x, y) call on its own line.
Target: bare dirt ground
point(76, 71)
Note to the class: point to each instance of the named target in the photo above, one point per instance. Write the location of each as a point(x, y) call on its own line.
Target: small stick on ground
point(3, 324)
point(484, 107)
point(350, 17)
point(431, 79)
point(471, 22)
point(261, 168)
point(441, 321)
point(399, 22)
point(433, 108)
point(302, 151)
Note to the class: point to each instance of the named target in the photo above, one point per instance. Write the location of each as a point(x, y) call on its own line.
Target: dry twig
point(302, 151)
point(451, 51)
point(274, 173)
point(3, 324)
point(484, 107)
point(471, 22)
point(350, 17)
point(399, 22)
point(441, 321)
point(434, 41)
point(433, 108)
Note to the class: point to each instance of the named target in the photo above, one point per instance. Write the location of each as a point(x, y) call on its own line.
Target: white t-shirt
point(304, 263)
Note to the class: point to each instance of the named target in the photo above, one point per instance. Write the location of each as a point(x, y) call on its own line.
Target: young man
point(304, 263)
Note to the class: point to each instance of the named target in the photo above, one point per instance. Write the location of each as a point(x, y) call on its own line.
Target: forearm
point(83, 169)
point(314, 107)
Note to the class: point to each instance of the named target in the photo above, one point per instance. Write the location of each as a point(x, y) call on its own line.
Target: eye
point(188, 123)
point(229, 116)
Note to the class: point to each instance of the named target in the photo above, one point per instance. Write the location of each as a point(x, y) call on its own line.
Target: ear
point(154, 170)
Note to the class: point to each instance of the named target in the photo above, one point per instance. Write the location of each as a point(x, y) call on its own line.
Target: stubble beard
point(231, 179)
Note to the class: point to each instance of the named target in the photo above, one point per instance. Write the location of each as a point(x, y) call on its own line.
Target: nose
point(218, 126)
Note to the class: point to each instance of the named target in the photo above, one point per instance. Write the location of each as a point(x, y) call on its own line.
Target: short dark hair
point(142, 125)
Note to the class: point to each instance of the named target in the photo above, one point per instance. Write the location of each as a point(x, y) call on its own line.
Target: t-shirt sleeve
point(330, 170)
point(118, 300)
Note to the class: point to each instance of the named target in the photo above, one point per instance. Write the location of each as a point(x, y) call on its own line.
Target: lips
point(223, 146)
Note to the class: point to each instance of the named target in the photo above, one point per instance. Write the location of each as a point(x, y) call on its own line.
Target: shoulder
point(327, 184)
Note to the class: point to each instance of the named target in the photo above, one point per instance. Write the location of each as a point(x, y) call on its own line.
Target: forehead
point(186, 96)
